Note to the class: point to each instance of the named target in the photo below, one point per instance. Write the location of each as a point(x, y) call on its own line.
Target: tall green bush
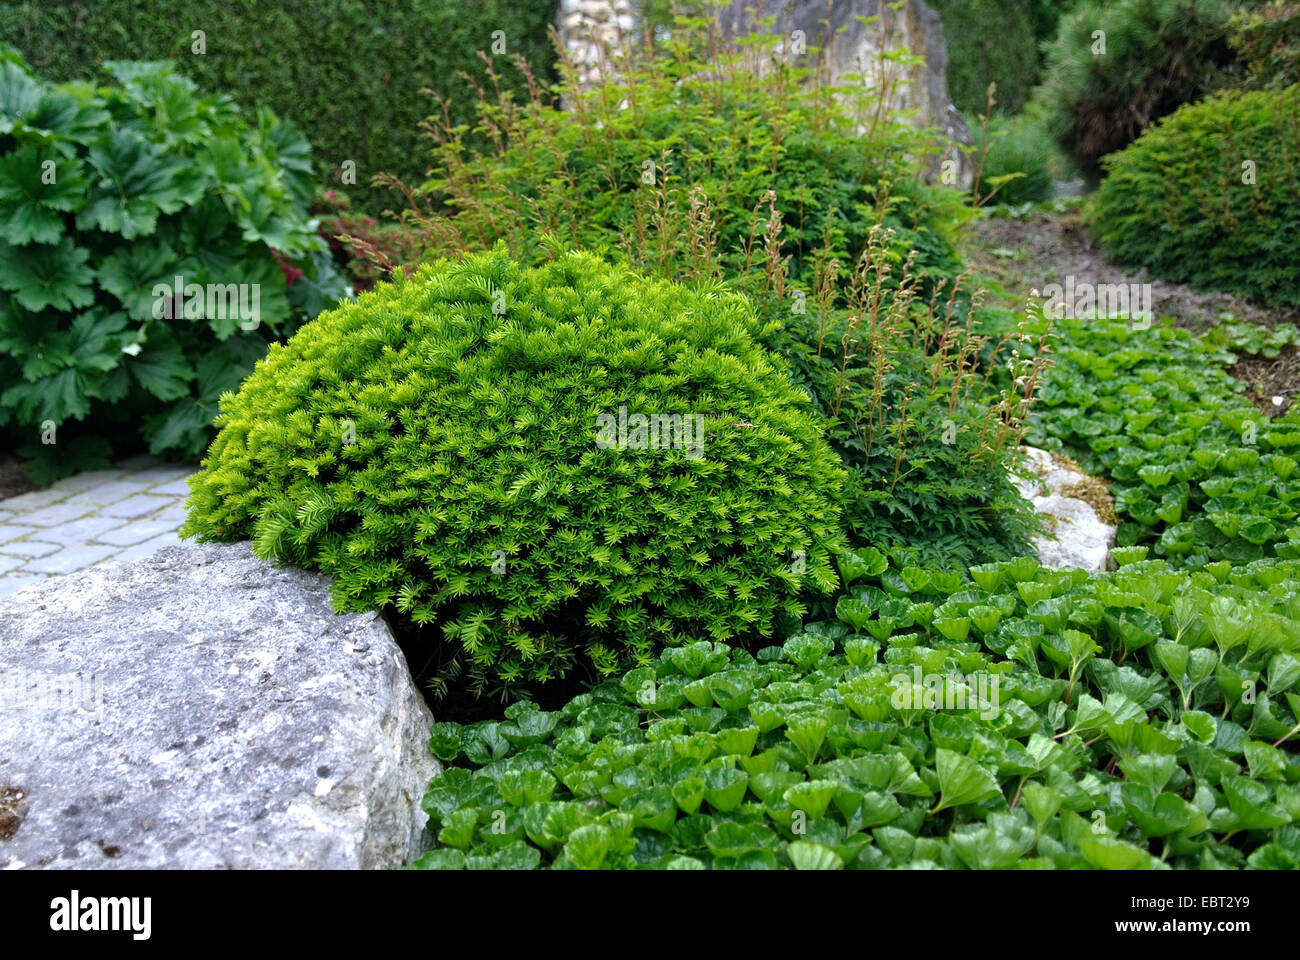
point(107, 196)
point(350, 73)
point(1019, 148)
point(441, 448)
point(1116, 66)
point(1211, 196)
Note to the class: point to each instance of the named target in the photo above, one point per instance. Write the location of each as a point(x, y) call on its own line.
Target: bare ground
point(1029, 253)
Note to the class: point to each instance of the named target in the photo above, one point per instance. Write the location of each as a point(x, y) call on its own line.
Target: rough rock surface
point(853, 47)
point(204, 709)
point(1083, 538)
point(591, 31)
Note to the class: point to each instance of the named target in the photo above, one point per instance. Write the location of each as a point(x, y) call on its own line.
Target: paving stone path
point(124, 513)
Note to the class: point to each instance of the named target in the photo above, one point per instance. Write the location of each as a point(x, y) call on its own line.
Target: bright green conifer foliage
point(434, 448)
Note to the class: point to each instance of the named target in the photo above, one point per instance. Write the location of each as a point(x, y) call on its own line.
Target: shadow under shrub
point(436, 448)
point(1211, 197)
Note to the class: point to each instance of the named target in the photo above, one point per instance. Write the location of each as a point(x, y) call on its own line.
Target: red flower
point(291, 273)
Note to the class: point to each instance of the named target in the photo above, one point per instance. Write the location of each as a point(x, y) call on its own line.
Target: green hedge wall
point(348, 72)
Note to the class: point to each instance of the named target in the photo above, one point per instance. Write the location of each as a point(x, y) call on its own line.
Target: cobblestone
point(126, 513)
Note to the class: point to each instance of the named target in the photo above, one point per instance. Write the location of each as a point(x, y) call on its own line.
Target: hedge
point(349, 73)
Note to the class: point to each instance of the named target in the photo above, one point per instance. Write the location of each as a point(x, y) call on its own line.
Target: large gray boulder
point(204, 709)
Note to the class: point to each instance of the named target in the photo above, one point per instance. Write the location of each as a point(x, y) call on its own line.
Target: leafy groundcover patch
point(1198, 473)
point(1021, 718)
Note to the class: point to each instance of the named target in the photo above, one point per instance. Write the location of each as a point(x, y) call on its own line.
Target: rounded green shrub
point(1218, 180)
point(1116, 66)
point(443, 448)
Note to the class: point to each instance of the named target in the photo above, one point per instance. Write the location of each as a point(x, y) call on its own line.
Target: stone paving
point(125, 513)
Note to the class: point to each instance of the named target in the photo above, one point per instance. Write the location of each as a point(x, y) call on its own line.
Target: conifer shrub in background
point(1116, 66)
point(995, 41)
point(1266, 40)
point(108, 193)
point(677, 164)
point(452, 450)
point(1211, 196)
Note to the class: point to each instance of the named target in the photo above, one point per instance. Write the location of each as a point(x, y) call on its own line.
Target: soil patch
point(1031, 252)
point(1266, 379)
point(14, 478)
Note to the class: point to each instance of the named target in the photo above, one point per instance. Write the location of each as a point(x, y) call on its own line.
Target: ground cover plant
point(1199, 474)
point(107, 192)
point(441, 448)
point(1220, 177)
point(1024, 718)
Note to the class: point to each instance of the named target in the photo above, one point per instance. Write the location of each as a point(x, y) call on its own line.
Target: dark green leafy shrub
point(926, 440)
point(107, 192)
point(976, 58)
point(685, 182)
point(434, 447)
point(350, 73)
point(1159, 54)
point(1221, 180)
point(1198, 473)
point(1267, 44)
point(934, 722)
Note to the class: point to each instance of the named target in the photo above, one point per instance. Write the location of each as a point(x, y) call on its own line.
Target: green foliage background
point(348, 72)
point(1159, 54)
point(996, 41)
